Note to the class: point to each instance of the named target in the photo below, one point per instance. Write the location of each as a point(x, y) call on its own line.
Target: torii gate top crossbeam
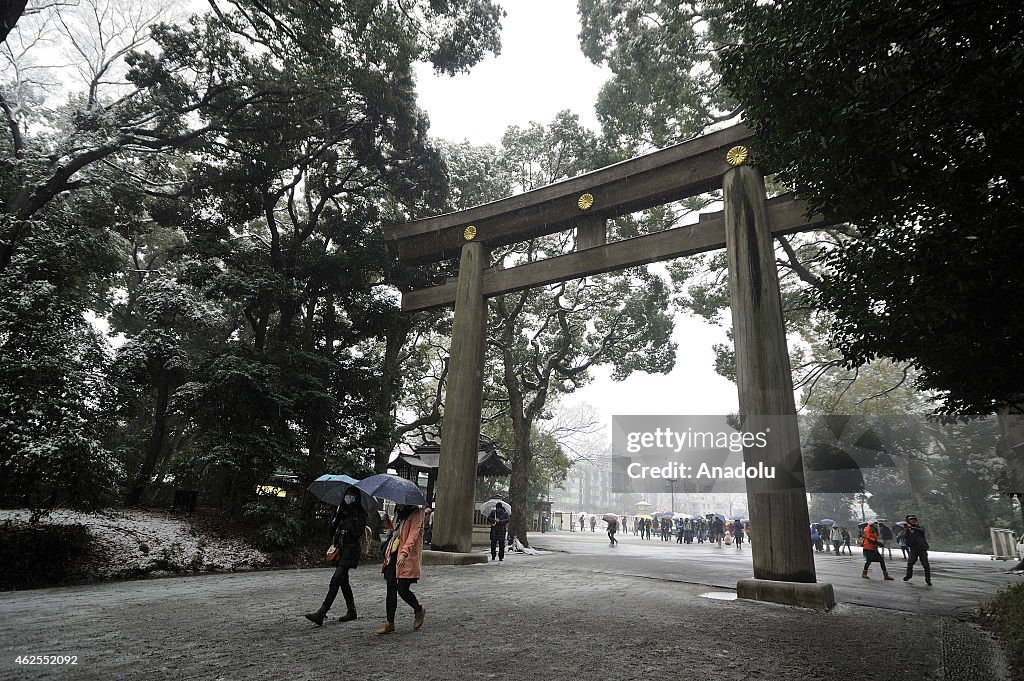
point(687, 169)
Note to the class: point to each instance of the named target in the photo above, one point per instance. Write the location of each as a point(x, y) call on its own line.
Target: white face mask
point(349, 499)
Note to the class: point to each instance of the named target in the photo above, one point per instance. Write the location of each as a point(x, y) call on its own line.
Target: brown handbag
point(333, 554)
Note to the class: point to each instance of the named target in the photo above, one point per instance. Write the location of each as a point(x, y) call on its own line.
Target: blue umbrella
point(737, 517)
point(331, 490)
point(668, 514)
point(828, 522)
point(392, 488)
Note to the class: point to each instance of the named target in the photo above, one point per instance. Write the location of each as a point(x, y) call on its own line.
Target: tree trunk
point(317, 420)
point(156, 439)
point(1010, 446)
point(384, 435)
point(518, 490)
point(519, 484)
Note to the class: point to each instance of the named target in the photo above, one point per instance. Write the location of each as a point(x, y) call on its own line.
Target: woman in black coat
point(349, 523)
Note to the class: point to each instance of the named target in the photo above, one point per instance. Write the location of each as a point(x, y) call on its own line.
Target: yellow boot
point(386, 629)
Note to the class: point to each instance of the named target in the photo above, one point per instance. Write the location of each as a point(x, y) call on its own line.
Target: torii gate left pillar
point(460, 430)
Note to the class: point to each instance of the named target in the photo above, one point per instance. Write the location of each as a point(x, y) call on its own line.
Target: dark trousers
point(874, 556)
point(398, 587)
point(923, 555)
point(498, 544)
point(339, 580)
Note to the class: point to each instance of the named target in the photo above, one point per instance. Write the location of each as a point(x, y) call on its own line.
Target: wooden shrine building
point(425, 461)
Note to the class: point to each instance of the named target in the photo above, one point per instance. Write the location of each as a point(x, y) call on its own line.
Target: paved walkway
point(961, 581)
point(578, 612)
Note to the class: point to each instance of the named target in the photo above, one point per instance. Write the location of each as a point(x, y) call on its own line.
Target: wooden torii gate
point(783, 561)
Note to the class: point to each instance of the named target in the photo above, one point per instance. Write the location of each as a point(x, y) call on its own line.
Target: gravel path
point(529, 617)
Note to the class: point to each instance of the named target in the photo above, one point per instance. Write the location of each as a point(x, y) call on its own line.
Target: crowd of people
point(713, 528)
point(874, 537)
point(689, 529)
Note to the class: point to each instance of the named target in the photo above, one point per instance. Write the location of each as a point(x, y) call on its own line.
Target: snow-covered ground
point(130, 543)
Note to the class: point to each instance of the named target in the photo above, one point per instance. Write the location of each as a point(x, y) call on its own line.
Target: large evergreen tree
point(228, 177)
point(897, 117)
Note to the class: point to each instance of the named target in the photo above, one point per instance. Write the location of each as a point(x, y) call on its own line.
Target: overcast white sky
point(540, 72)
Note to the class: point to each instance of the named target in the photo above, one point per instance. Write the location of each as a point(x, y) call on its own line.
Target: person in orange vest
point(871, 553)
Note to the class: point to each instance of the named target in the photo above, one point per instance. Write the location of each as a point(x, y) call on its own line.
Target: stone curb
point(452, 558)
point(804, 595)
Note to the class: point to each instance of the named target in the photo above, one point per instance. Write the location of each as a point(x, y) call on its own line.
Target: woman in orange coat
point(403, 563)
point(871, 554)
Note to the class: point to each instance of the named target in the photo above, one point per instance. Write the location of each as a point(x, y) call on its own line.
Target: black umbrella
point(392, 488)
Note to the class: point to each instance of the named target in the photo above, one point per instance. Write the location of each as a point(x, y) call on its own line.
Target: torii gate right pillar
point(783, 561)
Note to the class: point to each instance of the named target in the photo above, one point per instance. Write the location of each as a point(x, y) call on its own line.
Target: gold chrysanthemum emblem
point(470, 233)
point(736, 156)
point(586, 201)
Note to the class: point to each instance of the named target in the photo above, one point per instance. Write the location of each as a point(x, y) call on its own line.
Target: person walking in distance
point(613, 526)
point(871, 553)
point(349, 523)
point(737, 534)
point(498, 520)
point(887, 537)
point(846, 540)
point(593, 522)
point(901, 540)
point(836, 536)
point(917, 546)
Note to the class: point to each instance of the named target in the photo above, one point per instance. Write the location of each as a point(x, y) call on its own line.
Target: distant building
point(702, 504)
point(591, 488)
point(586, 488)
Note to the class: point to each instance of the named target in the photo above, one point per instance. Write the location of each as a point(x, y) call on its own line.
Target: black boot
point(317, 617)
point(349, 615)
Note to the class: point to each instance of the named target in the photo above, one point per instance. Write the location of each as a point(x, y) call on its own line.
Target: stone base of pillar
point(815, 595)
point(453, 558)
